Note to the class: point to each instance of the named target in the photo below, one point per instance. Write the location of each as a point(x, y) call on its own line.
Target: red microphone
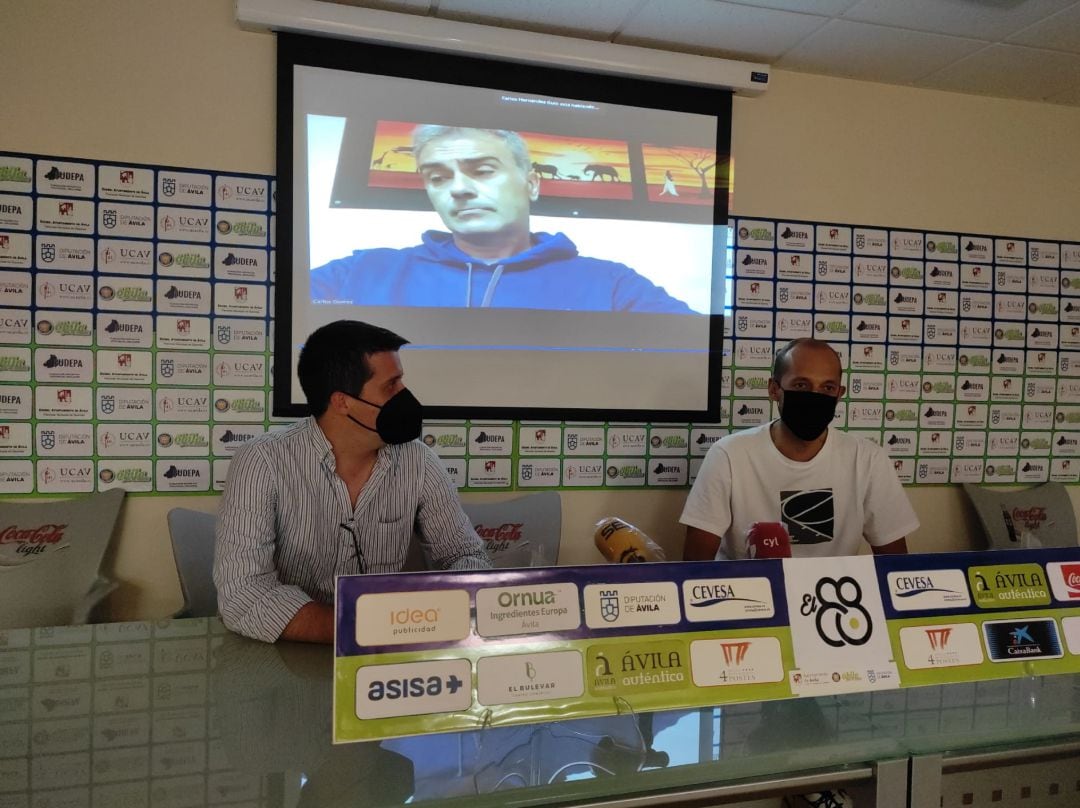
point(768, 540)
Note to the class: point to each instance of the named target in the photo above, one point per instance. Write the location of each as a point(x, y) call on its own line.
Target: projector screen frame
point(299, 50)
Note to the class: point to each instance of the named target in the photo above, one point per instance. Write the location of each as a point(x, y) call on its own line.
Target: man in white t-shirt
point(831, 490)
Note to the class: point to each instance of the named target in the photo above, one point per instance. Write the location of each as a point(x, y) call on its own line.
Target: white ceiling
point(1026, 49)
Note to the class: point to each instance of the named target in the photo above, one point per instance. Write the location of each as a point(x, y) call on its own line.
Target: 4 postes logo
point(742, 661)
point(941, 646)
point(413, 688)
point(913, 590)
point(1064, 580)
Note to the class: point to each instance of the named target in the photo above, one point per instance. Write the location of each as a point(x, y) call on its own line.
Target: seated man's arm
point(707, 513)
point(888, 515)
point(329, 282)
point(701, 545)
point(251, 597)
point(635, 292)
point(449, 540)
point(313, 623)
point(898, 547)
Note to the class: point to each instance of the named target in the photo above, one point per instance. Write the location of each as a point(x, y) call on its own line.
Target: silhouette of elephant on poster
point(546, 168)
point(602, 171)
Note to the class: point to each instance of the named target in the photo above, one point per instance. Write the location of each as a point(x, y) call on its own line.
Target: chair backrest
point(50, 559)
point(1040, 516)
point(522, 532)
point(192, 534)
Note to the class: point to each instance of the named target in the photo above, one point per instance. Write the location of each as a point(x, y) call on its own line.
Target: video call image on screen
point(474, 219)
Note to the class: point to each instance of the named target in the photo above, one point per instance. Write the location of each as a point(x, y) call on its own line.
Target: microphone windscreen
point(622, 543)
point(768, 540)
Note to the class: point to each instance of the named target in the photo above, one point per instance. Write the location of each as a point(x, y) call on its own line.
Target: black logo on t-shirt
point(808, 515)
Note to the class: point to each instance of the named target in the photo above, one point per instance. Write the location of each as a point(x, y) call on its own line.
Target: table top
point(182, 713)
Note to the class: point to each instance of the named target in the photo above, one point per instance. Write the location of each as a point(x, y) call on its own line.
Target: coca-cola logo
point(1031, 517)
point(1071, 574)
point(31, 541)
point(507, 531)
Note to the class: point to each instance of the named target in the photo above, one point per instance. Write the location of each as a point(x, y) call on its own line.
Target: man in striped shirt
point(338, 493)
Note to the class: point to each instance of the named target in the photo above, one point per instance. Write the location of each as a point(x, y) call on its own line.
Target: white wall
point(160, 81)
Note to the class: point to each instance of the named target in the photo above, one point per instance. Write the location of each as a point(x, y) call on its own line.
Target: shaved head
point(785, 356)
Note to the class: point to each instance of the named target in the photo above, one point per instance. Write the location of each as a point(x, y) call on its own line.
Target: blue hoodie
point(548, 275)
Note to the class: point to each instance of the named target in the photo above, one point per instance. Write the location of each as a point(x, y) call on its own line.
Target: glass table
point(182, 713)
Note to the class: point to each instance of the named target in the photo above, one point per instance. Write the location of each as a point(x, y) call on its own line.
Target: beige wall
point(178, 83)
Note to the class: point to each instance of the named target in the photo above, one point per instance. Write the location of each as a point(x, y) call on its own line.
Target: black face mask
point(399, 420)
point(807, 414)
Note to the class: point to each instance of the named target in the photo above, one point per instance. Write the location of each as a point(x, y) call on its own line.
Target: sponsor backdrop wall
point(149, 84)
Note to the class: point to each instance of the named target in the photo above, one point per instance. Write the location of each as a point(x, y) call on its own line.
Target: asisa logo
point(413, 688)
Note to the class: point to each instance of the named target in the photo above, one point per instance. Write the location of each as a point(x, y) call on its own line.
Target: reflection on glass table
point(181, 714)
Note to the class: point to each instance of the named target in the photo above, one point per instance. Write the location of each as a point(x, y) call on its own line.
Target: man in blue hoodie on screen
point(482, 184)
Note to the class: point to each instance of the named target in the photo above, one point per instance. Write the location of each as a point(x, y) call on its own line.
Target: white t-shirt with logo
point(848, 491)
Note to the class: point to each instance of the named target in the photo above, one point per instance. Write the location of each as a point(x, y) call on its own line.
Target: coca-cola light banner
point(22, 543)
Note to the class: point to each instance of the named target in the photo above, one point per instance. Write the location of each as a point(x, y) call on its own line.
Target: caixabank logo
point(1019, 640)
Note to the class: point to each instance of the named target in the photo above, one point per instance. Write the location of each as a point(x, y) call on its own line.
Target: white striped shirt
point(282, 532)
